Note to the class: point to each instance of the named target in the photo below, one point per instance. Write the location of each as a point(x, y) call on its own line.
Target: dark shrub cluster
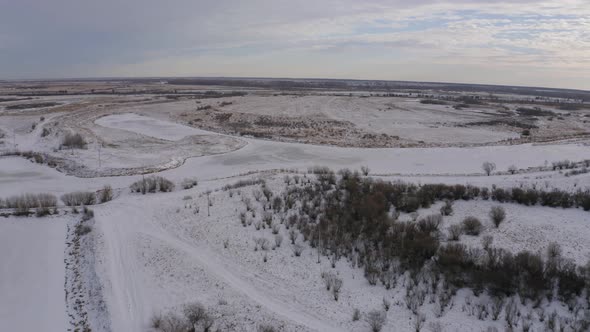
point(152, 184)
point(536, 111)
point(553, 198)
point(472, 226)
point(353, 217)
point(73, 141)
point(243, 183)
point(497, 215)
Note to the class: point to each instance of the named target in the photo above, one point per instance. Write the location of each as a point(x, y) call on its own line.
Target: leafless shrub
point(194, 313)
point(73, 141)
point(526, 322)
point(87, 214)
point(174, 323)
point(488, 167)
point(105, 194)
point(436, 327)
point(386, 304)
point(512, 169)
point(278, 240)
point(266, 328)
point(82, 229)
point(293, 234)
point(257, 194)
point(79, 198)
point(297, 249)
point(156, 321)
point(486, 242)
point(447, 208)
point(419, 321)
point(365, 170)
point(276, 228)
point(243, 183)
point(455, 232)
point(267, 218)
point(336, 285)
point(511, 313)
point(42, 212)
point(472, 226)
point(152, 184)
point(189, 183)
point(25, 202)
point(356, 314)
point(497, 214)
point(376, 320)
point(261, 243)
point(430, 224)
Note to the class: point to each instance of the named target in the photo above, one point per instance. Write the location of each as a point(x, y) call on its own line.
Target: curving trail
point(129, 296)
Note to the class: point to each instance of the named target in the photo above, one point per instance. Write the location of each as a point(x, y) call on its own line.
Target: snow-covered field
point(154, 253)
point(32, 273)
point(148, 126)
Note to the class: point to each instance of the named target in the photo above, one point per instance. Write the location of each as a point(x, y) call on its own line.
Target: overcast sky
point(519, 42)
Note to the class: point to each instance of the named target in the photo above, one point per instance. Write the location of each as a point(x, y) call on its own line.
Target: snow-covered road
point(130, 299)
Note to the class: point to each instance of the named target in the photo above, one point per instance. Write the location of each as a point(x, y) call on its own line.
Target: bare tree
point(336, 285)
point(472, 226)
point(297, 249)
point(455, 232)
point(497, 214)
point(194, 313)
point(376, 320)
point(365, 170)
point(486, 242)
point(419, 322)
point(174, 323)
point(293, 234)
point(512, 169)
point(106, 194)
point(488, 167)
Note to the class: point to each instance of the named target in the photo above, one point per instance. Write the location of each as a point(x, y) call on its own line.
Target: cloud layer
point(521, 42)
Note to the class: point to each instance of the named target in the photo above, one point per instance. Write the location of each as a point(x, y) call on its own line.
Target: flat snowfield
point(147, 126)
point(32, 275)
point(261, 155)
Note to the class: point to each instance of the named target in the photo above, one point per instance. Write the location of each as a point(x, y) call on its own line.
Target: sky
point(517, 42)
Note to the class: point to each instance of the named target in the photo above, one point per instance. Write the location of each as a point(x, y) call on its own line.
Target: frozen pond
point(147, 126)
point(32, 274)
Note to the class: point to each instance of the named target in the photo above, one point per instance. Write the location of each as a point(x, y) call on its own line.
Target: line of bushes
point(408, 197)
point(43, 202)
point(152, 184)
point(37, 157)
point(22, 204)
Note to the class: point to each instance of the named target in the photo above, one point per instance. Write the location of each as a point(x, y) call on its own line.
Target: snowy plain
point(154, 253)
point(32, 273)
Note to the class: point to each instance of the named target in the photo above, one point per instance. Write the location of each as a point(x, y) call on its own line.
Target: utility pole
point(99, 161)
point(208, 204)
point(319, 241)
